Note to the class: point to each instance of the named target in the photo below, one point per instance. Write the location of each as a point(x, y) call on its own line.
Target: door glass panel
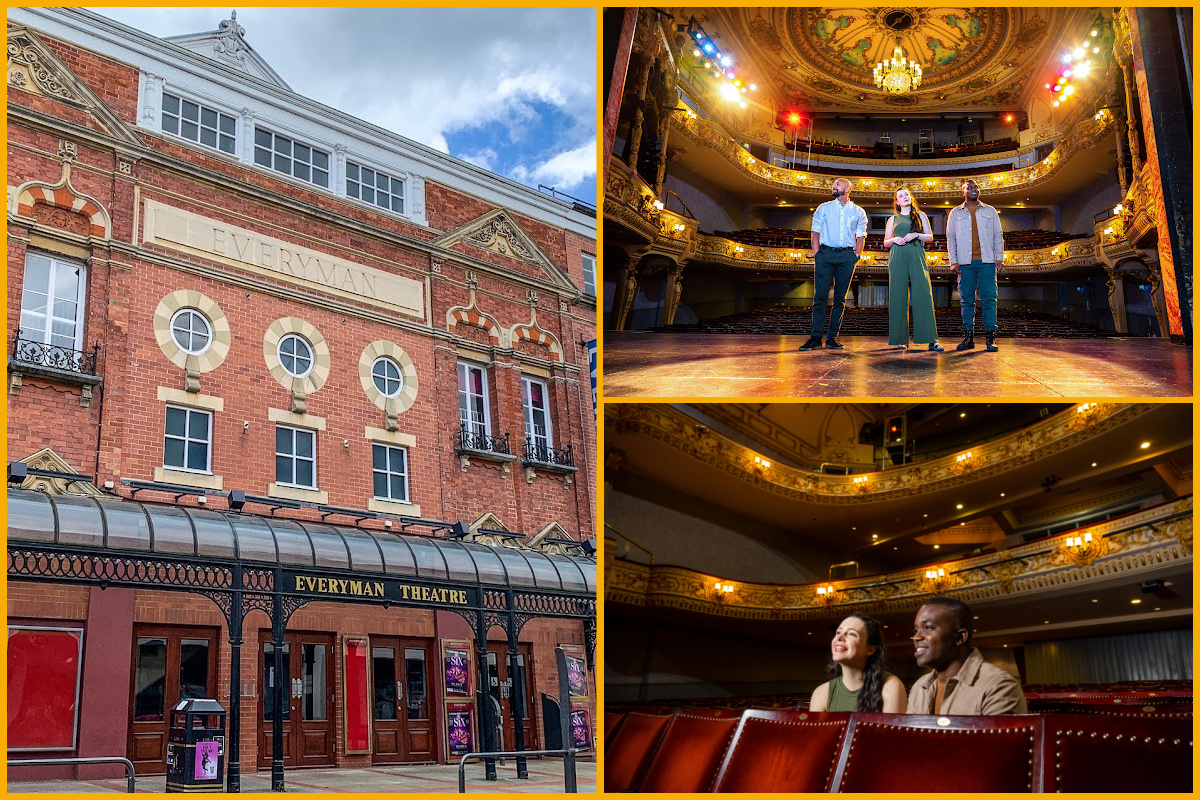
point(384, 667)
point(269, 682)
point(314, 681)
point(193, 668)
point(150, 679)
point(416, 698)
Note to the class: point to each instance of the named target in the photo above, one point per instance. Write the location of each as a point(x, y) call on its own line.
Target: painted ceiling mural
point(823, 58)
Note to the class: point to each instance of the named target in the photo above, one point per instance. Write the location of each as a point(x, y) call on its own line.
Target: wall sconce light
point(721, 592)
point(737, 248)
point(1082, 550)
point(762, 462)
point(794, 256)
point(802, 177)
point(964, 456)
point(1118, 208)
point(827, 594)
point(658, 205)
point(1108, 231)
point(936, 580)
point(861, 484)
point(1086, 414)
point(679, 226)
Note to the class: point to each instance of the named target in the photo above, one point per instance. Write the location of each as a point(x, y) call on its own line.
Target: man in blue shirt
point(839, 228)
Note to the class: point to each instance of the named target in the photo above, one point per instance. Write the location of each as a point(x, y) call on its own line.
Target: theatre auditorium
point(740, 538)
point(726, 128)
point(299, 421)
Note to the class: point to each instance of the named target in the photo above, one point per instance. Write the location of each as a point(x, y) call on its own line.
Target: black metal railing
point(482, 443)
point(544, 454)
point(130, 784)
point(40, 354)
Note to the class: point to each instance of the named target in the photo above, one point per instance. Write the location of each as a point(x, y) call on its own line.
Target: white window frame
point(179, 119)
point(312, 355)
point(291, 157)
point(295, 458)
point(392, 181)
point(399, 376)
point(44, 334)
point(388, 472)
point(589, 275)
point(187, 440)
point(465, 396)
point(547, 440)
point(208, 324)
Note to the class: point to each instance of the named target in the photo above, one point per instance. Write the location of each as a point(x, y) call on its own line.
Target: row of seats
point(690, 750)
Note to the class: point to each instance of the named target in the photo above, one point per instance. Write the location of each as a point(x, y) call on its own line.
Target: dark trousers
point(836, 267)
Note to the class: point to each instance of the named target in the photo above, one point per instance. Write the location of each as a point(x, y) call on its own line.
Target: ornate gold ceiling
point(973, 59)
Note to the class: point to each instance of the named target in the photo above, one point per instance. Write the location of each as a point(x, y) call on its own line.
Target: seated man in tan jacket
point(961, 681)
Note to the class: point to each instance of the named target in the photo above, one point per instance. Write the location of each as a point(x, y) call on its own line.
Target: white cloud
point(485, 158)
point(564, 171)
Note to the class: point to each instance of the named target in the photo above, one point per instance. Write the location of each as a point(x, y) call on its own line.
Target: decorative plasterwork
point(1149, 540)
point(69, 209)
point(706, 133)
point(470, 316)
point(33, 67)
point(499, 233)
point(683, 433)
point(485, 530)
point(51, 461)
point(532, 332)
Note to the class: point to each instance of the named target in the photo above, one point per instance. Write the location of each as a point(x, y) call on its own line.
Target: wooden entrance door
point(309, 727)
point(169, 665)
point(500, 686)
point(403, 729)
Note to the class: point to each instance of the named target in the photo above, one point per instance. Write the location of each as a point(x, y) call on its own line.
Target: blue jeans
point(982, 276)
point(838, 268)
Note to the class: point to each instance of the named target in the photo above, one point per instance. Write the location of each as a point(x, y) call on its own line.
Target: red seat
point(631, 749)
point(691, 751)
point(1154, 755)
point(918, 753)
point(611, 723)
point(782, 751)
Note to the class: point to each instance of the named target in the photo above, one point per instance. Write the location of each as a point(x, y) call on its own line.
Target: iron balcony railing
point(480, 442)
point(544, 454)
point(40, 354)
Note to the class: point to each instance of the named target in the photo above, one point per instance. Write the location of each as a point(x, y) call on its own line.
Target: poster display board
point(356, 688)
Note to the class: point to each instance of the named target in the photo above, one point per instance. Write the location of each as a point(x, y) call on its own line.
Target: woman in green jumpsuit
point(907, 267)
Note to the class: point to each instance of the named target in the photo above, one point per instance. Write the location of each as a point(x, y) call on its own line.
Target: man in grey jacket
point(975, 245)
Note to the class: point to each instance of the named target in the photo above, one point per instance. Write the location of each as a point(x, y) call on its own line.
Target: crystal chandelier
point(897, 76)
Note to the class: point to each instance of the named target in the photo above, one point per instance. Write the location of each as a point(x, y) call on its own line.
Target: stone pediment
point(227, 45)
point(47, 459)
point(33, 67)
point(499, 233)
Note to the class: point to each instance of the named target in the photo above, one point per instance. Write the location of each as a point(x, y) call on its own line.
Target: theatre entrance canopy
point(246, 562)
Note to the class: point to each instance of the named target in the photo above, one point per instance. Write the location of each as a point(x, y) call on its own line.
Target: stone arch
point(65, 197)
point(533, 332)
point(471, 315)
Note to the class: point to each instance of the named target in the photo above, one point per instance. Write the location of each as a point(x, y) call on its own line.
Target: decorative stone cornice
point(704, 132)
point(1137, 543)
point(685, 434)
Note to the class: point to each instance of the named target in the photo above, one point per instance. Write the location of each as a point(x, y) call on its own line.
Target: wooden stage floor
point(637, 364)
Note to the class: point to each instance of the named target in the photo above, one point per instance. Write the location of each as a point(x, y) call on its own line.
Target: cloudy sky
point(510, 89)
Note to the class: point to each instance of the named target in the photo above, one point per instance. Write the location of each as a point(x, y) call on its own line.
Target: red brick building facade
point(216, 284)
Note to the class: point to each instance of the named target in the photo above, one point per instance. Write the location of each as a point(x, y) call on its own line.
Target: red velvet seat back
point(914, 753)
point(1118, 754)
point(782, 751)
point(690, 751)
point(632, 746)
point(611, 723)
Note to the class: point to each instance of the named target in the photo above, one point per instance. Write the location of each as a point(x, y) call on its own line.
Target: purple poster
point(576, 677)
point(581, 731)
point(459, 728)
point(206, 760)
point(458, 674)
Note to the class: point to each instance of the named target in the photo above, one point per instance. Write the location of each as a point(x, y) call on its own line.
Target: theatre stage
point(640, 364)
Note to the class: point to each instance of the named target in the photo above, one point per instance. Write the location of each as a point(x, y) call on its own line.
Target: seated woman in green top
point(859, 680)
